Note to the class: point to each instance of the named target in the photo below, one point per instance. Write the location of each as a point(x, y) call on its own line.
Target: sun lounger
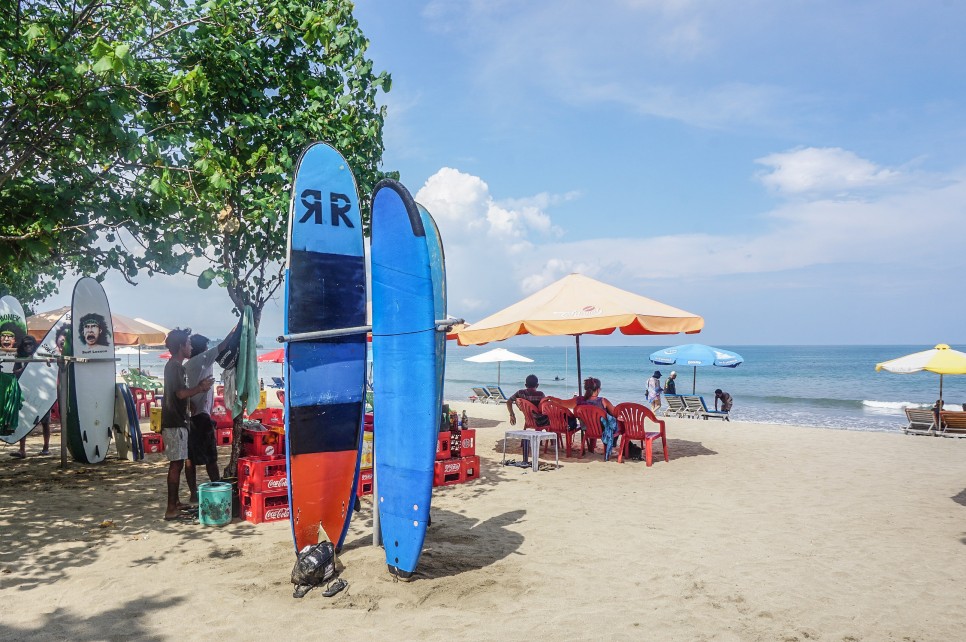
point(480, 394)
point(496, 395)
point(953, 423)
point(278, 382)
point(922, 421)
point(699, 410)
point(676, 406)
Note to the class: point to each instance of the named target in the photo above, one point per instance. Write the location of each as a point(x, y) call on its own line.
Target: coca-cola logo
point(277, 513)
point(366, 477)
point(281, 482)
point(451, 468)
point(467, 443)
point(269, 450)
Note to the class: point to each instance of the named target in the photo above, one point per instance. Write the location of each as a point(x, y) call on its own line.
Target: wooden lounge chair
point(953, 423)
point(496, 395)
point(480, 394)
point(922, 421)
point(699, 410)
point(676, 406)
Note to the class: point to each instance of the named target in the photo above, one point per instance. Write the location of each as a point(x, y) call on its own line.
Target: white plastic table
point(533, 438)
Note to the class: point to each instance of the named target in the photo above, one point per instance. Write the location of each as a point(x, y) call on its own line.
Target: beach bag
point(315, 565)
point(228, 358)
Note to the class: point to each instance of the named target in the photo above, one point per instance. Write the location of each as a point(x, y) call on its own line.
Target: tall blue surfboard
point(325, 289)
point(404, 356)
point(437, 264)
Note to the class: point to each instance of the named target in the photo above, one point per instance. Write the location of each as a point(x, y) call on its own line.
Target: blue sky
point(793, 171)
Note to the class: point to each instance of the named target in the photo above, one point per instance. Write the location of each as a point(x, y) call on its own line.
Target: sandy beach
point(750, 532)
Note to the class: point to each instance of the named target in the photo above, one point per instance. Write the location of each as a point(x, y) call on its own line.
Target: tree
point(258, 81)
point(76, 79)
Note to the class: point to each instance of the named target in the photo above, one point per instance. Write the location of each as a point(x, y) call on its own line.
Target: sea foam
point(894, 405)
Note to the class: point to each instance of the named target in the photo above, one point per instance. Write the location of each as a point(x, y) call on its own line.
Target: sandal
point(18, 455)
point(335, 587)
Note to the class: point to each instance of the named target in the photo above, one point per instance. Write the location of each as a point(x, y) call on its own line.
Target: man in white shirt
point(202, 446)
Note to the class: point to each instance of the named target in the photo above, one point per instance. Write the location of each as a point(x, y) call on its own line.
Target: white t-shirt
point(197, 368)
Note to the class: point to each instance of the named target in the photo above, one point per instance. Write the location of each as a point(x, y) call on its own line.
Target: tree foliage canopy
point(140, 134)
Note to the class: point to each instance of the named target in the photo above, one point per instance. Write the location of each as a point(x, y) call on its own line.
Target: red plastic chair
point(560, 423)
point(590, 418)
point(528, 410)
point(631, 417)
point(141, 402)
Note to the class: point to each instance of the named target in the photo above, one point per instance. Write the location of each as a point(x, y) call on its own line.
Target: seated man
point(531, 394)
point(725, 400)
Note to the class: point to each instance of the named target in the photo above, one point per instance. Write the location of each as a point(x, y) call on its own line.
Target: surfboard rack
point(56, 359)
point(442, 325)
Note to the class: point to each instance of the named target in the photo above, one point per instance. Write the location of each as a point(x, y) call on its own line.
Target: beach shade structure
point(694, 355)
point(275, 356)
point(941, 360)
point(498, 356)
point(577, 305)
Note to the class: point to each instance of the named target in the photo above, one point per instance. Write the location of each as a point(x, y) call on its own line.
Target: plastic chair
point(529, 411)
point(590, 418)
point(141, 403)
point(560, 423)
point(631, 416)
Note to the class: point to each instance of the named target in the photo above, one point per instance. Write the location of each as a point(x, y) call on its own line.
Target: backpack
point(315, 565)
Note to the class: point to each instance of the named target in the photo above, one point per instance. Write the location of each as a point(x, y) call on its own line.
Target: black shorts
point(202, 449)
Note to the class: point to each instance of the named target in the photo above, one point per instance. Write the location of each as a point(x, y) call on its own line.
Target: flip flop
point(18, 455)
point(44, 452)
point(181, 517)
point(335, 587)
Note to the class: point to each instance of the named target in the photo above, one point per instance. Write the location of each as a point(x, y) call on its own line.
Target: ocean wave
point(894, 405)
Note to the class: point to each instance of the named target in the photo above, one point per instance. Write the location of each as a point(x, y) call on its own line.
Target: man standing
point(654, 391)
point(725, 400)
point(202, 445)
point(174, 413)
point(669, 386)
point(531, 394)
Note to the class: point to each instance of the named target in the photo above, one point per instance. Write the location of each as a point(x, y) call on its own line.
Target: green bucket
point(214, 503)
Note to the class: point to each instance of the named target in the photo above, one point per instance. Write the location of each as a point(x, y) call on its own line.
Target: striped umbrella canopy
point(941, 360)
point(694, 355)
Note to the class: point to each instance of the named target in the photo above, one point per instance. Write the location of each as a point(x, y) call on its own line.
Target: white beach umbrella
point(498, 356)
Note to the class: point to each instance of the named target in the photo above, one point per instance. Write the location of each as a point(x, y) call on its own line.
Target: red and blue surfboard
point(325, 289)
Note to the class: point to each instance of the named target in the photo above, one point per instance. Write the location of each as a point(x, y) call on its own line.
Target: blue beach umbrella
point(694, 355)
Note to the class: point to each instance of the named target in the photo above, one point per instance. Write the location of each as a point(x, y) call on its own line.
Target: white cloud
point(826, 169)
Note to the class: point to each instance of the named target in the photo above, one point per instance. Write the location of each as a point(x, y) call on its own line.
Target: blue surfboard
point(437, 264)
point(325, 289)
point(404, 347)
point(133, 422)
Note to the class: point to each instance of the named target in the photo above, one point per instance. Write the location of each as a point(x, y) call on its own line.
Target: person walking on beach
point(27, 347)
point(174, 413)
point(725, 400)
point(531, 394)
point(670, 388)
point(654, 391)
point(202, 445)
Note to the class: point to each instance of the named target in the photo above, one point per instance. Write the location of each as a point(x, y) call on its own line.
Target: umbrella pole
point(940, 387)
point(694, 379)
point(580, 380)
point(497, 374)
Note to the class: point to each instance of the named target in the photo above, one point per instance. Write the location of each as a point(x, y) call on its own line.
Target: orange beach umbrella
point(127, 331)
point(578, 305)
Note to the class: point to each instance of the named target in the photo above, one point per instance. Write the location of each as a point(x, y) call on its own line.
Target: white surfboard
point(38, 381)
point(90, 380)
point(13, 328)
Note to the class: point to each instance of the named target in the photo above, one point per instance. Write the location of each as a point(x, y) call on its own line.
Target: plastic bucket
point(214, 503)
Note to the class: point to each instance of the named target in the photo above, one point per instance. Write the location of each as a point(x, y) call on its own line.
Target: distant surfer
point(94, 330)
point(558, 378)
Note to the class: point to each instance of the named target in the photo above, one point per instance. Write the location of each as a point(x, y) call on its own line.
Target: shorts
point(175, 443)
point(202, 449)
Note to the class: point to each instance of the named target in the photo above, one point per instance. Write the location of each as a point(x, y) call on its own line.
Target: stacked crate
point(262, 469)
point(456, 459)
point(364, 483)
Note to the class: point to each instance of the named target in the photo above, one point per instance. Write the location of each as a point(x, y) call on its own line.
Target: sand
point(750, 532)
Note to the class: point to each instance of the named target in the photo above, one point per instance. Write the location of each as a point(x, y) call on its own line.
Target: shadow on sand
point(118, 623)
point(47, 534)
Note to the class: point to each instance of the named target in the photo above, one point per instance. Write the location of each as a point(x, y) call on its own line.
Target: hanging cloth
point(10, 403)
point(247, 390)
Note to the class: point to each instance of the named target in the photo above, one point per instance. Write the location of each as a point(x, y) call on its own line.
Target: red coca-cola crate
point(269, 417)
point(262, 443)
point(443, 446)
point(264, 507)
point(456, 471)
point(364, 486)
point(223, 436)
point(262, 474)
point(464, 443)
point(368, 422)
point(221, 416)
point(152, 442)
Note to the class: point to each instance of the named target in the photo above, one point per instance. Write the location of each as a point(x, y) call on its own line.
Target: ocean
point(825, 386)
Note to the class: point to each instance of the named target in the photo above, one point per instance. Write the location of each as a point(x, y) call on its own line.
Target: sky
point(792, 171)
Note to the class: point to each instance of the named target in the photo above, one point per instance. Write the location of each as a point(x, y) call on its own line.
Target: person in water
point(724, 398)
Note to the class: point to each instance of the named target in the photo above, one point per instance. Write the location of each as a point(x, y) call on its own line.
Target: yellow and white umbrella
point(941, 360)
